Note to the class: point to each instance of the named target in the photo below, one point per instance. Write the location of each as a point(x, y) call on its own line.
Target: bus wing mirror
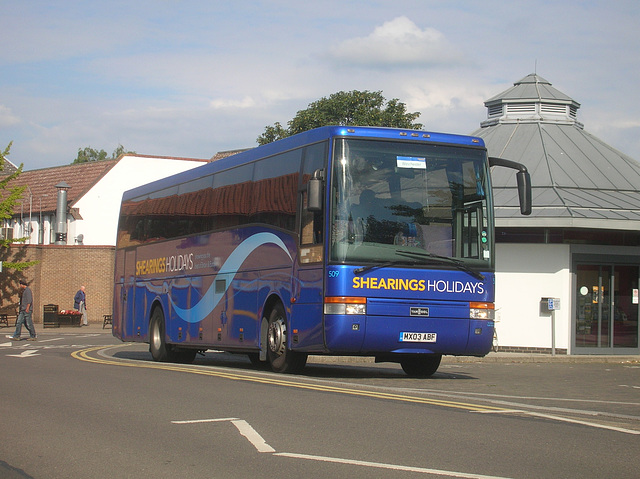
point(314, 192)
point(524, 191)
point(522, 177)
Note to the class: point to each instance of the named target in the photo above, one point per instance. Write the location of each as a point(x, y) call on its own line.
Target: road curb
point(495, 358)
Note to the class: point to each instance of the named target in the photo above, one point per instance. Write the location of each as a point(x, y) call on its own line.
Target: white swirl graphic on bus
point(227, 272)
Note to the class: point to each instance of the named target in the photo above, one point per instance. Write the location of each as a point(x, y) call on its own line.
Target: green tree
point(9, 198)
point(353, 108)
point(88, 154)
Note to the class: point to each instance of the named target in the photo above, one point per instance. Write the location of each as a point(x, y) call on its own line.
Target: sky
point(192, 78)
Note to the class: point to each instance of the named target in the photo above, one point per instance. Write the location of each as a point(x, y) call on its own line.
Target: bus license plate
point(406, 337)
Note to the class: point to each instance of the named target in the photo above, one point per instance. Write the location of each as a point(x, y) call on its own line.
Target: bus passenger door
point(306, 309)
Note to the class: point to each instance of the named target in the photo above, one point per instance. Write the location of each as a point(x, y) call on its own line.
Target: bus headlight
point(345, 305)
point(482, 311)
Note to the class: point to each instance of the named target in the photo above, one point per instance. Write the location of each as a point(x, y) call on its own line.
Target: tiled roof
point(80, 178)
point(41, 183)
point(8, 168)
point(224, 154)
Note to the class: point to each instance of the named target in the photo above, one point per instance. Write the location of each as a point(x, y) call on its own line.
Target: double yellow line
point(84, 355)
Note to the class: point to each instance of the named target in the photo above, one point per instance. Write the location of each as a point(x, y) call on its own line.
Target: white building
point(581, 245)
point(92, 198)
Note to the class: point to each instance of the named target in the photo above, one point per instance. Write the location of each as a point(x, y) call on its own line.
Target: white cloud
point(223, 103)
point(7, 118)
point(443, 94)
point(625, 123)
point(399, 42)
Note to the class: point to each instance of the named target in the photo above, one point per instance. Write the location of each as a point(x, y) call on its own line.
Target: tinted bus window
point(230, 200)
point(311, 222)
point(275, 184)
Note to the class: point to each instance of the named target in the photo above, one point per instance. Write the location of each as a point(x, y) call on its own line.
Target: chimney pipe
point(61, 213)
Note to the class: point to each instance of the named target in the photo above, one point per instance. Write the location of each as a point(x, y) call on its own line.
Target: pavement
point(42, 331)
point(498, 357)
point(492, 357)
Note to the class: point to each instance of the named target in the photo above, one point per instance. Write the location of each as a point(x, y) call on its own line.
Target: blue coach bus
point(337, 241)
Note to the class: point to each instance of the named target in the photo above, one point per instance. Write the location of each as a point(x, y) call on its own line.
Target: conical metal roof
point(531, 87)
point(578, 180)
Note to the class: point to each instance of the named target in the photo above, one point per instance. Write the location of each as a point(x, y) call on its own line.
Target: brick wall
point(58, 276)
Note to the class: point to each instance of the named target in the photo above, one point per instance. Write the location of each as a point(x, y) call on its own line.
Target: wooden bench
point(107, 319)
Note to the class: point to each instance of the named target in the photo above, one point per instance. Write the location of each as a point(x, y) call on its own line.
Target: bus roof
point(304, 138)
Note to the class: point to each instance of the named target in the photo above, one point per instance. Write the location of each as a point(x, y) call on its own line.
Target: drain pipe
point(61, 213)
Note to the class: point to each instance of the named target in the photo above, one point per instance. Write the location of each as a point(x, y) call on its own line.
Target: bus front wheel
point(282, 359)
point(421, 366)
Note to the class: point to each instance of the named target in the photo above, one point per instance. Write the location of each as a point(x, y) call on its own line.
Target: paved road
point(78, 403)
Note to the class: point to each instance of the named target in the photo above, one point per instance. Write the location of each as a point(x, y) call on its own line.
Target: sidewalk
point(544, 358)
point(498, 358)
point(90, 328)
point(41, 330)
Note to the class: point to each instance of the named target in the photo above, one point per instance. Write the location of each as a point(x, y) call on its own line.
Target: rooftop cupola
point(532, 100)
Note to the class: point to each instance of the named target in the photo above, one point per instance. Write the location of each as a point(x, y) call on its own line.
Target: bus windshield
point(410, 203)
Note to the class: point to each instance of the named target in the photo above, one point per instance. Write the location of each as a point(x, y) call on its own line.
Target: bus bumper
point(370, 335)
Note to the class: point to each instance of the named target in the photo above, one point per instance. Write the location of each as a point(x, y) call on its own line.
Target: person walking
point(80, 303)
point(24, 313)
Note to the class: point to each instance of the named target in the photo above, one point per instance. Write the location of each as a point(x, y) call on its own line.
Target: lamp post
point(61, 213)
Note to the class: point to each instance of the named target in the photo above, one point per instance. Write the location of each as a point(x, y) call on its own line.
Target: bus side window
point(311, 222)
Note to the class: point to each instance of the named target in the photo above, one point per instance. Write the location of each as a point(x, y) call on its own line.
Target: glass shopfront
point(606, 315)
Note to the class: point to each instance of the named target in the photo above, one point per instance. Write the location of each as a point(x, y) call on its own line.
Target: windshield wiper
point(442, 259)
point(364, 269)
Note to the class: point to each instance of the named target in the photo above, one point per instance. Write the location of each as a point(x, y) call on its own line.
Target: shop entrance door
point(606, 307)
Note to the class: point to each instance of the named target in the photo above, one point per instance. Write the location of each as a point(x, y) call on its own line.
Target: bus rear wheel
point(282, 359)
point(421, 366)
point(158, 347)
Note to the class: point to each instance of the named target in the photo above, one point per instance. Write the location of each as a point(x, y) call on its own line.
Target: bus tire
point(421, 366)
point(157, 343)
point(282, 359)
point(158, 347)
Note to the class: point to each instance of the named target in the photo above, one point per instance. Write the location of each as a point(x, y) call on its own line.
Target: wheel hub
point(155, 337)
point(277, 337)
